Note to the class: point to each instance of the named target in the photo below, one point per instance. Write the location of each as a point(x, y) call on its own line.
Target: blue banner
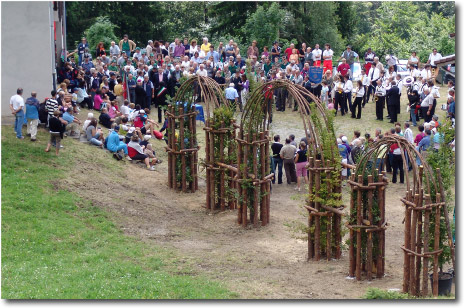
point(315, 74)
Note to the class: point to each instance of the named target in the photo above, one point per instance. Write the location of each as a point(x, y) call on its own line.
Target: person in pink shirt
point(97, 100)
point(420, 135)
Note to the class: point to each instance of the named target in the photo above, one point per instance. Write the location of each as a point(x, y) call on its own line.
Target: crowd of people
point(292, 156)
point(125, 81)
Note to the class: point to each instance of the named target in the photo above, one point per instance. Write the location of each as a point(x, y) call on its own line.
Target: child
point(57, 128)
point(325, 93)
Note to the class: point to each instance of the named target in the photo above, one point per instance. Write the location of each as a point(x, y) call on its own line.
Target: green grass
point(58, 246)
point(375, 293)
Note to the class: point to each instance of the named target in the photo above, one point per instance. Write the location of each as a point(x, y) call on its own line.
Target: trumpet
point(376, 98)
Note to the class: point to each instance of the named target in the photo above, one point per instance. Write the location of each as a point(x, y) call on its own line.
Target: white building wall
point(26, 50)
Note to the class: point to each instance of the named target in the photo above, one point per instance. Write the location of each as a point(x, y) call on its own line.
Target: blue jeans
point(379, 164)
point(277, 161)
point(351, 70)
point(95, 140)
point(413, 117)
point(19, 122)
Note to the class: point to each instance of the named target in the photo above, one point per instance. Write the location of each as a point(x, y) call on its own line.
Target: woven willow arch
point(367, 222)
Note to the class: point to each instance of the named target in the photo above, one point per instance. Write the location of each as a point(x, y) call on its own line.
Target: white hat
point(387, 57)
point(131, 130)
point(344, 139)
point(339, 141)
point(89, 115)
point(146, 137)
point(231, 84)
point(124, 127)
point(141, 111)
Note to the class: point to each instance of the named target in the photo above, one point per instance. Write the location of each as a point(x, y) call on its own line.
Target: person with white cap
point(427, 105)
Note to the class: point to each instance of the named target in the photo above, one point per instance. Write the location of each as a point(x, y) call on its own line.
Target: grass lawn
point(58, 246)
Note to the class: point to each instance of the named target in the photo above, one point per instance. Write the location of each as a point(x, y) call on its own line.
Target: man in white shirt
point(426, 72)
point(380, 92)
point(201, 71)
point(114, 49)
point(149, 47)
point(347, 88)
point(374, 74)
point(366, 81)
point(433, 57)
point(317, 53)
point(427, 105)
point(327, 56)
point(17, 109)
point(408, 133)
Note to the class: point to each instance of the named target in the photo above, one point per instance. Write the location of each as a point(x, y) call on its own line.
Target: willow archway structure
point(220, 143)
point(424, 209)
point(253, 159)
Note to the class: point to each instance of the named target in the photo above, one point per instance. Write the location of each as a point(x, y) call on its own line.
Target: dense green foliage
point(101, 31)
point(444, 160)
point(398, 27)
point(56, 245)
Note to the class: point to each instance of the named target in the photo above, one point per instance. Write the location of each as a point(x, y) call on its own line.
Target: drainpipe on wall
point(52, 44)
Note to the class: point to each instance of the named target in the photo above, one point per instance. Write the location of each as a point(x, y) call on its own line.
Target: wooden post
point(407, 237)
point(222, 183)
point(256, 187)
point(412, 258)
point(239, 177)
point(182, 146)
point(381, 256)
point(317, 232)
point(245, 175)
point(436, 247)
point(369, 234)
point(170, 145)
point(352, 239)
point(208, 169)
point(425, 267)
point(419, 245)
point(358, 234)
point(310, 217)
point(268, 184)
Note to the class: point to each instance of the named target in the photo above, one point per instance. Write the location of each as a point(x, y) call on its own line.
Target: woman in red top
point(100, 50)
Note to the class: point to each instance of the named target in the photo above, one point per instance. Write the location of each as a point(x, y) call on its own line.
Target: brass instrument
point(376, 98)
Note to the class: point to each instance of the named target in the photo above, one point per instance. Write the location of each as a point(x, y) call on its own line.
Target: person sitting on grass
point(135, 151)
point(57, 126)
point(114, 145)
point(72, 127)
point(105, 119)
point(145, 124)
point(94, 135)
point(87, 122)
point(148, 149)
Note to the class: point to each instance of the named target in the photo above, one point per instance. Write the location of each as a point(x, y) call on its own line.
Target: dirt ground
point(267, 262)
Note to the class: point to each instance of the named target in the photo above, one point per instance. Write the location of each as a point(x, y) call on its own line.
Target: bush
point(374, 293)
point(101, 31)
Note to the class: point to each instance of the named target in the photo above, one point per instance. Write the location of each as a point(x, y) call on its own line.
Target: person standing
point(327, 56)
point(358, 100)
point(149, 92)
point(126, 45)
point(379, 94)
point(275, 51)
point(397, 162)
point(81, 49)
point(232, 96)
point(344, 68)
point(347, 88)
point(301, 160)
point(366, 81)
point(32, 115)
point(350, 56)
point(252, 50)
point(17, 109)
point(369, 59)
point(433, 57)
point(276, 159)
point(287, 153)
point(393, 102)
point(317, 54)
point(427, 105)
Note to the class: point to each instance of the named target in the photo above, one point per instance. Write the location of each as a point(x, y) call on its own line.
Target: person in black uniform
point(276, 159)
point(393, 102)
